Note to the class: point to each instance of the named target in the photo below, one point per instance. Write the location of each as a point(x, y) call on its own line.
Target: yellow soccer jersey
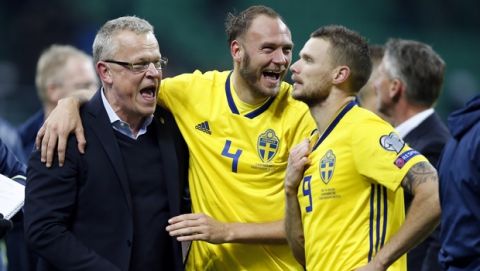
point(350, 197)
point(237, 163)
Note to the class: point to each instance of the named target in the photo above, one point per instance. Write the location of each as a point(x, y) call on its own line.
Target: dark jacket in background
point(429, 138)
point(28, 132)
point(459, 171)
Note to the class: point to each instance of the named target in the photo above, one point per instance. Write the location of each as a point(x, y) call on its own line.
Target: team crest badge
point(327, 166)
point(392, 142)
point(267, 145)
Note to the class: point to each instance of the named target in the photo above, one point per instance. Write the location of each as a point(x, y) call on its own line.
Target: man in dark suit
point(408, 85)
point(107, 209)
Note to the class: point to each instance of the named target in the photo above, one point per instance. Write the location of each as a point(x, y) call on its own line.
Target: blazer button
point(129, 243)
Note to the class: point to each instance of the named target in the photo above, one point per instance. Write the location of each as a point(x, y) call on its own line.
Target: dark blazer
point(429, 138)
point(79, 216)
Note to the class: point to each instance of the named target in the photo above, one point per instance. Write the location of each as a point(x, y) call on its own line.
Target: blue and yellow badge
point(327, 166)
point(267, 145)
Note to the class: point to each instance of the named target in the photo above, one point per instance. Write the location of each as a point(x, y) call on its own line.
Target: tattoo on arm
point(420, 173)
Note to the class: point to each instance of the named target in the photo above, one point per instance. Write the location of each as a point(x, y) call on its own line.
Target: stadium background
point(191, 35)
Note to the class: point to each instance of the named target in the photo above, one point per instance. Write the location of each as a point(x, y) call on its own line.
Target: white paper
point(12, 196)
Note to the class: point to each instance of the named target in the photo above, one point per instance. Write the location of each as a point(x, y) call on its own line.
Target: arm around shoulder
point(53, 134)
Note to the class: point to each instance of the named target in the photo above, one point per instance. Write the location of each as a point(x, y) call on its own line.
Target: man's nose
point(279, 57)
point(152, 71)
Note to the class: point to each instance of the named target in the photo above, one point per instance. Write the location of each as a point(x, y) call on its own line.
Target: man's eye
point(140, 66)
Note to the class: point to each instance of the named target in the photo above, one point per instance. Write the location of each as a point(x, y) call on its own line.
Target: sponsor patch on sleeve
point(392, 142)
point(403, 158)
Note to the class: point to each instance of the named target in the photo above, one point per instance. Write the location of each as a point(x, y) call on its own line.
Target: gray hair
point(418, 66)
point(103, 47)
point(51, 64)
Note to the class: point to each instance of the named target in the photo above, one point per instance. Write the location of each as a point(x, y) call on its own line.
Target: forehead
point(316, 48)
point(266, 29)
point(76, 63)
point(133, 45)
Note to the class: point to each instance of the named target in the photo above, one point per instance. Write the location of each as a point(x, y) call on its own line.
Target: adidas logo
point(203, 126)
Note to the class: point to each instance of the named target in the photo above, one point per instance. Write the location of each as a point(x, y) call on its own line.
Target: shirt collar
point(119, 124)
point(407, 126)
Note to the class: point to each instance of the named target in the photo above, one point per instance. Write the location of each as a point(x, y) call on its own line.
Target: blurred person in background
point(61, 71)
point(366, 97)
point(408, 84)
point(459, 171)
point(11, 139)
point(11, 167)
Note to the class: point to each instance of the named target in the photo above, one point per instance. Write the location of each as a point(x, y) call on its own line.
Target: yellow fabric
point(228, 179)
point(347, 216)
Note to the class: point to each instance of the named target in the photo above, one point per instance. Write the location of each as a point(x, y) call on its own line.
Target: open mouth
point(148, 92)
point(271, 75)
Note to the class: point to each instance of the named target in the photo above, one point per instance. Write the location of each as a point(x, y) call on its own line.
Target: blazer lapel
point(100, 124)
point(169, 159)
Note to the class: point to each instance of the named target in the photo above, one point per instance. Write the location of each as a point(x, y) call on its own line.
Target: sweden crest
point(267, 145)
point(327, 166)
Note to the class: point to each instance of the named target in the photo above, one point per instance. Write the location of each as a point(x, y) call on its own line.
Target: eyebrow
point(271, 44)
point(146, 59)
point(305, 55)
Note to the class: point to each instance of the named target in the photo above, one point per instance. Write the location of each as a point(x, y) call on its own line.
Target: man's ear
point(396, 89)
point(236, 51)
point(340, 75)
point(104, 73)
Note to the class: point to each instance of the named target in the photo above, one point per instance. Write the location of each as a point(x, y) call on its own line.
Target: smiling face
point(264, 54)
point(132, 95)
point(312, 73)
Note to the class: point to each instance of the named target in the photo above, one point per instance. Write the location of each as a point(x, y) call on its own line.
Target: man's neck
point(404, 111)
point(134, 121)
point(326, 111)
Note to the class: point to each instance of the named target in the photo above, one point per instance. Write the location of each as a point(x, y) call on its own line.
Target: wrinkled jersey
point(238, 159)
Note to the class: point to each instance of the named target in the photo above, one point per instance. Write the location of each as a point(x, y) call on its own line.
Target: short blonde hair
point(51, 64)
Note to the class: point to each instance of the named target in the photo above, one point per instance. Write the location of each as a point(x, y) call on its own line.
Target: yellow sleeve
point(381, 155)
point(173, 90)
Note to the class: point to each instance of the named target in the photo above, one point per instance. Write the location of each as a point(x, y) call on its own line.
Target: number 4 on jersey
point(234, 155)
